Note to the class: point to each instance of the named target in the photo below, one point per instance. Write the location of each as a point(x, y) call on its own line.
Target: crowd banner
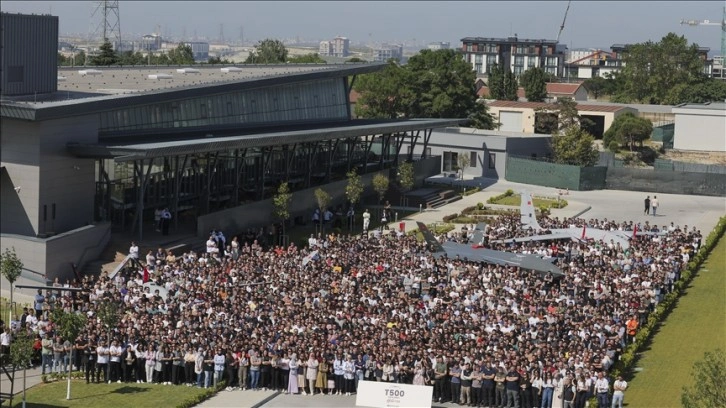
point(383, 394)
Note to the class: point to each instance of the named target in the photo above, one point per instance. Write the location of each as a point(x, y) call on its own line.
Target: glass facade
point(319, 100)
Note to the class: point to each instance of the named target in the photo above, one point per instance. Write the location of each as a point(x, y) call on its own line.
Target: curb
point(266, 400)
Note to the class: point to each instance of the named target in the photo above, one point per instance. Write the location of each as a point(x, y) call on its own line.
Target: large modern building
point(199, 49)
point(112, 145)
point(516, 54)
point(387, 52)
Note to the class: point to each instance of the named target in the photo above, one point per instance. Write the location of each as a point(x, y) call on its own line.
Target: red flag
point(635, 230)
point(583, 231)
point(146, 274)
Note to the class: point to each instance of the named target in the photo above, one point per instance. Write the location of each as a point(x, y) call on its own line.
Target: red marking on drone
point(529, 203)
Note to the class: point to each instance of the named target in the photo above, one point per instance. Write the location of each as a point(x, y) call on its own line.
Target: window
point(428, 152)
point(492, 161)
point(450, 161)
point(472, 159)
point(479, 58)
point(531, 61)
point(491, 59)
point(478, 68)
point(468, 48)
point(517, 70)
point(519, 60)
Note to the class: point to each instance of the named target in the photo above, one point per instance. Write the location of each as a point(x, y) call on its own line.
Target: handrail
point(83, 254)
point(123, 263)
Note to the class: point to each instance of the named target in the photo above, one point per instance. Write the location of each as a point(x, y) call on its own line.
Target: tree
point(709, 377)
point(268, 51)
point(12, 267)
point(281, 203)
point(406, 176)
point(353, 191)
point(480, 118)
point(462, 162)
point(218, 60)
point(380, 185)
point(69, 326)
point(709, 90)
point(535, 86)
point(433, 84)
point(181, 55)
point(383, 94)
point(574, 146)
point(21, 353)
point(557, 116)
point(323, 199)
point(596, 86)
point(628, 128)
point(106, 57)
point(108, 315)
point(502, 84)
point(659, 72)
point(312, 58)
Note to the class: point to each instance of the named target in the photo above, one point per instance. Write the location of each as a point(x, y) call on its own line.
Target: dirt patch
point(696, 157)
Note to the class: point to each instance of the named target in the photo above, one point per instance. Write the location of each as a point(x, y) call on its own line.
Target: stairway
point(431, 197)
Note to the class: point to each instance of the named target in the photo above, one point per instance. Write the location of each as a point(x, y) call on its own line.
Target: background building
point(337, 47)
point(700, 127)
point(200, 50)
point(30, 66)
point(517, 54)
point(150, 42)
point(387, 52)
point(434, 46)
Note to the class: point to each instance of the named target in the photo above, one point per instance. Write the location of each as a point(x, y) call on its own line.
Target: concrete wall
point(236, 220)
point(65, 180)
point(53, 256)
point(19, 186)
point(700, 129)
point(37, 163)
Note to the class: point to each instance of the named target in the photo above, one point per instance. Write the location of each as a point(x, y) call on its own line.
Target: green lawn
point(516, 200)
point(107, 395)
point(696, 325)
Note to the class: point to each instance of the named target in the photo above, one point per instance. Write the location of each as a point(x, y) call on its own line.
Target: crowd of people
point(345, 309)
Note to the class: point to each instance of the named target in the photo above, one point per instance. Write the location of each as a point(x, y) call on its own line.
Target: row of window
point(323, 99)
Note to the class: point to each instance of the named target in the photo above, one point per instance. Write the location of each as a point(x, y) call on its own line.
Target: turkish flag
point(635, 230)
point(583, 231)
point(146, 274)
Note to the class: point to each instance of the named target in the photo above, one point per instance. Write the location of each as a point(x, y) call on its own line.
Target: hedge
point(472, 191)
point(494, 199)
point(629, 357)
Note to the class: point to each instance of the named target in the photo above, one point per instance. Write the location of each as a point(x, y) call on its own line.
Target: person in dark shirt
point(512, 386)
point(487, 384)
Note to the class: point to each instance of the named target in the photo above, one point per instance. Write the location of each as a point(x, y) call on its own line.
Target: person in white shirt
point(619, 387)
point(102, 361)
point(602, 389)
point(349, 375)
point(115, 362)
point(366, 220)
point(134, 250)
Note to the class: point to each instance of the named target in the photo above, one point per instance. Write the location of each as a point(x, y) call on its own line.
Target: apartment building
point(517, 54)
point(441, 45)
point(337, 47)
point(386, 52)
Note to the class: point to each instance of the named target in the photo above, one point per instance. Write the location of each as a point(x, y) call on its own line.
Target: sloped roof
point(553, 88)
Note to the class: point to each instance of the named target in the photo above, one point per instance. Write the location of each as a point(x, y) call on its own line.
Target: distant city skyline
point(590, 24)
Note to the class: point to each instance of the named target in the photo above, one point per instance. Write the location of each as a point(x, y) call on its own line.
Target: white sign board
point(383, 394)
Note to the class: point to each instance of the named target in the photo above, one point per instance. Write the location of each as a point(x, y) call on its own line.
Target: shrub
point(509, 193)
point(464, 220)
point(472, 191)
point(480, 206)
point(468, 210)
point(614, 146)
point(450, 217)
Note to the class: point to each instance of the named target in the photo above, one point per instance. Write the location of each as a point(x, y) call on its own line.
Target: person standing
point(39, 302)
point(619, 387)
point(366, 220)
point(647, 205)
point(165, 221)
point(311, 372)
point(602, 388)
point(654, 205)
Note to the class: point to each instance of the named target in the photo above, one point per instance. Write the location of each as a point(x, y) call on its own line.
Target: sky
point(589, 24)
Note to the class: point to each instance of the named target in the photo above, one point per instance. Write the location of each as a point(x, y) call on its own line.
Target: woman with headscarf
point(292, 381)
point(311, 372)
